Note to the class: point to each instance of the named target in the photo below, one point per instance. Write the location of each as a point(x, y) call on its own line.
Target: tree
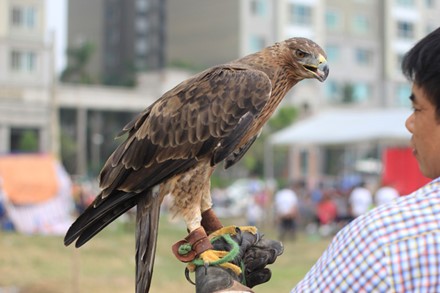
point(29, 141)
point(124, 77)
point(78, 58)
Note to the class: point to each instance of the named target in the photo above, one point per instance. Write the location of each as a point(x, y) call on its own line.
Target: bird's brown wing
point(202, 118)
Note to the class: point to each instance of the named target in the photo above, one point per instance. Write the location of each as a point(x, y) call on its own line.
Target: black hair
point(421, 65)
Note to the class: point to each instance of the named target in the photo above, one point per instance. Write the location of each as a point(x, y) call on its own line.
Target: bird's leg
point(198, 245)
point(197, 241)
point(209, 219)
point(200, 223)
point(212, 224)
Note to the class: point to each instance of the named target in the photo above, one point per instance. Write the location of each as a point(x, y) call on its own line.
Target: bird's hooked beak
point(318, 67)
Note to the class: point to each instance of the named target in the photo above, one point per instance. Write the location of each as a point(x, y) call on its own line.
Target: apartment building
point(26, 76)
point(127, 36)
point(405, 22)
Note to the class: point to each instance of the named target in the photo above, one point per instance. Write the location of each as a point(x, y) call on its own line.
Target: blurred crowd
point(321, 210)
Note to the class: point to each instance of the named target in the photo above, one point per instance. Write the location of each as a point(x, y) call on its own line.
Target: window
point(360, 24)
point(430, 3)
point(332, 91)
point(258, 7)
point(364, 57)
point(23, 61)
point(16, 16)
point(23, 17)
point(141, 46)
point(403, 91)
point(300, 14)
point(256, 43)
point(405, 2)
point(358, 92)
point(333, 53)
point(405, 30)
point(29, 61)
point(24, 140)
point(361, 92)
point(141, 25)
point(332, 20)
point(29, 18)
point(142, 6)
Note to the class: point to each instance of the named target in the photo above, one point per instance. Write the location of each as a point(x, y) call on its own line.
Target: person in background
point(286, 209)
point(326, 212)
point(254, 212)
point(360, 200)
point(317, 193)
point(385, 194)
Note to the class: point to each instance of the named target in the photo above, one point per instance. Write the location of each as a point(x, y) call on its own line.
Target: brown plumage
point(177, 142)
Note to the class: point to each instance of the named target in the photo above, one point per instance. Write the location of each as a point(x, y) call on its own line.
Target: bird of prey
point(177, 142)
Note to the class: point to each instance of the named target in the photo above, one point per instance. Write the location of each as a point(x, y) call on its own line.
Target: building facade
point(26, 78)
point(127, 36)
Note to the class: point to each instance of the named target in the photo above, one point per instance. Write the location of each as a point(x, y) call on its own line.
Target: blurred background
point(73, 73)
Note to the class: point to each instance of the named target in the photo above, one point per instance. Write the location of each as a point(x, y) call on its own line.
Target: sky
point(56, 22)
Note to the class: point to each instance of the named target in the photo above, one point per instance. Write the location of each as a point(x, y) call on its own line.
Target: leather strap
point(198, 241)
point(210, 221)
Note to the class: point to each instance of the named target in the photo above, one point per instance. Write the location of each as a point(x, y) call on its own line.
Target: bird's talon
point(236, 269)
point(251, 229)
point(233, 230)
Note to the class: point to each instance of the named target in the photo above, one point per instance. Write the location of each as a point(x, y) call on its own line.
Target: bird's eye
point(300, 54)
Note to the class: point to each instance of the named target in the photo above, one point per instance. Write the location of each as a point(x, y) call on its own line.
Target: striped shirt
point(393, 248)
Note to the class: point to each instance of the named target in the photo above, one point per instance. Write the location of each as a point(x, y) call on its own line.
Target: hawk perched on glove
point(178, 141)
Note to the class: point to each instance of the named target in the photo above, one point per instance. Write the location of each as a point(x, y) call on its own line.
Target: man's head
point(421, 65)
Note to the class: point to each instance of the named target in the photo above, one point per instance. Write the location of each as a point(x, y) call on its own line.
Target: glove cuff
point(210, 221)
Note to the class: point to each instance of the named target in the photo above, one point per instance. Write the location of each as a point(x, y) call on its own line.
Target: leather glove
point(254, 254)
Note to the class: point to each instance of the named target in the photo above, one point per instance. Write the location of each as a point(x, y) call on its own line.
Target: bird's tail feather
point(147, 224)
point(94, 219)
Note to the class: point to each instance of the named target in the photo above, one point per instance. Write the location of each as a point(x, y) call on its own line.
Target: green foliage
point(78, 59)
point(125, 77)
point(283, 118)
point(28, 141)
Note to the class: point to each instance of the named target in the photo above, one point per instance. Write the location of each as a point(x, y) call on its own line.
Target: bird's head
point(305, 59)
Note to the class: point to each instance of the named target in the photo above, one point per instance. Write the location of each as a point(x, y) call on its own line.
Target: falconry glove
point(254, 254)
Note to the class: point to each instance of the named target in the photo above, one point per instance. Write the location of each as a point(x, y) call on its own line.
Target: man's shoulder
point(405, 216)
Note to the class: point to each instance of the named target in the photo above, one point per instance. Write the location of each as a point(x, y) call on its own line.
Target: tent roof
point(346, 126)
point(28, 178)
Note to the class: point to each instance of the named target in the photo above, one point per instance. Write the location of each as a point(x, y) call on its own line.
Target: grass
point(37, 264)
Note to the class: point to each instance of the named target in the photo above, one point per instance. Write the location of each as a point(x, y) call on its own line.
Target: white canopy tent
point(346, 126)
point(352, 128)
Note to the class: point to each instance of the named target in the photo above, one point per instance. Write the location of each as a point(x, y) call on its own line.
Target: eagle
point(174, 145)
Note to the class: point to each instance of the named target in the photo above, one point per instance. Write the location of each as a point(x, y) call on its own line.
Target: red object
point(326, 212)
point(401, 170)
